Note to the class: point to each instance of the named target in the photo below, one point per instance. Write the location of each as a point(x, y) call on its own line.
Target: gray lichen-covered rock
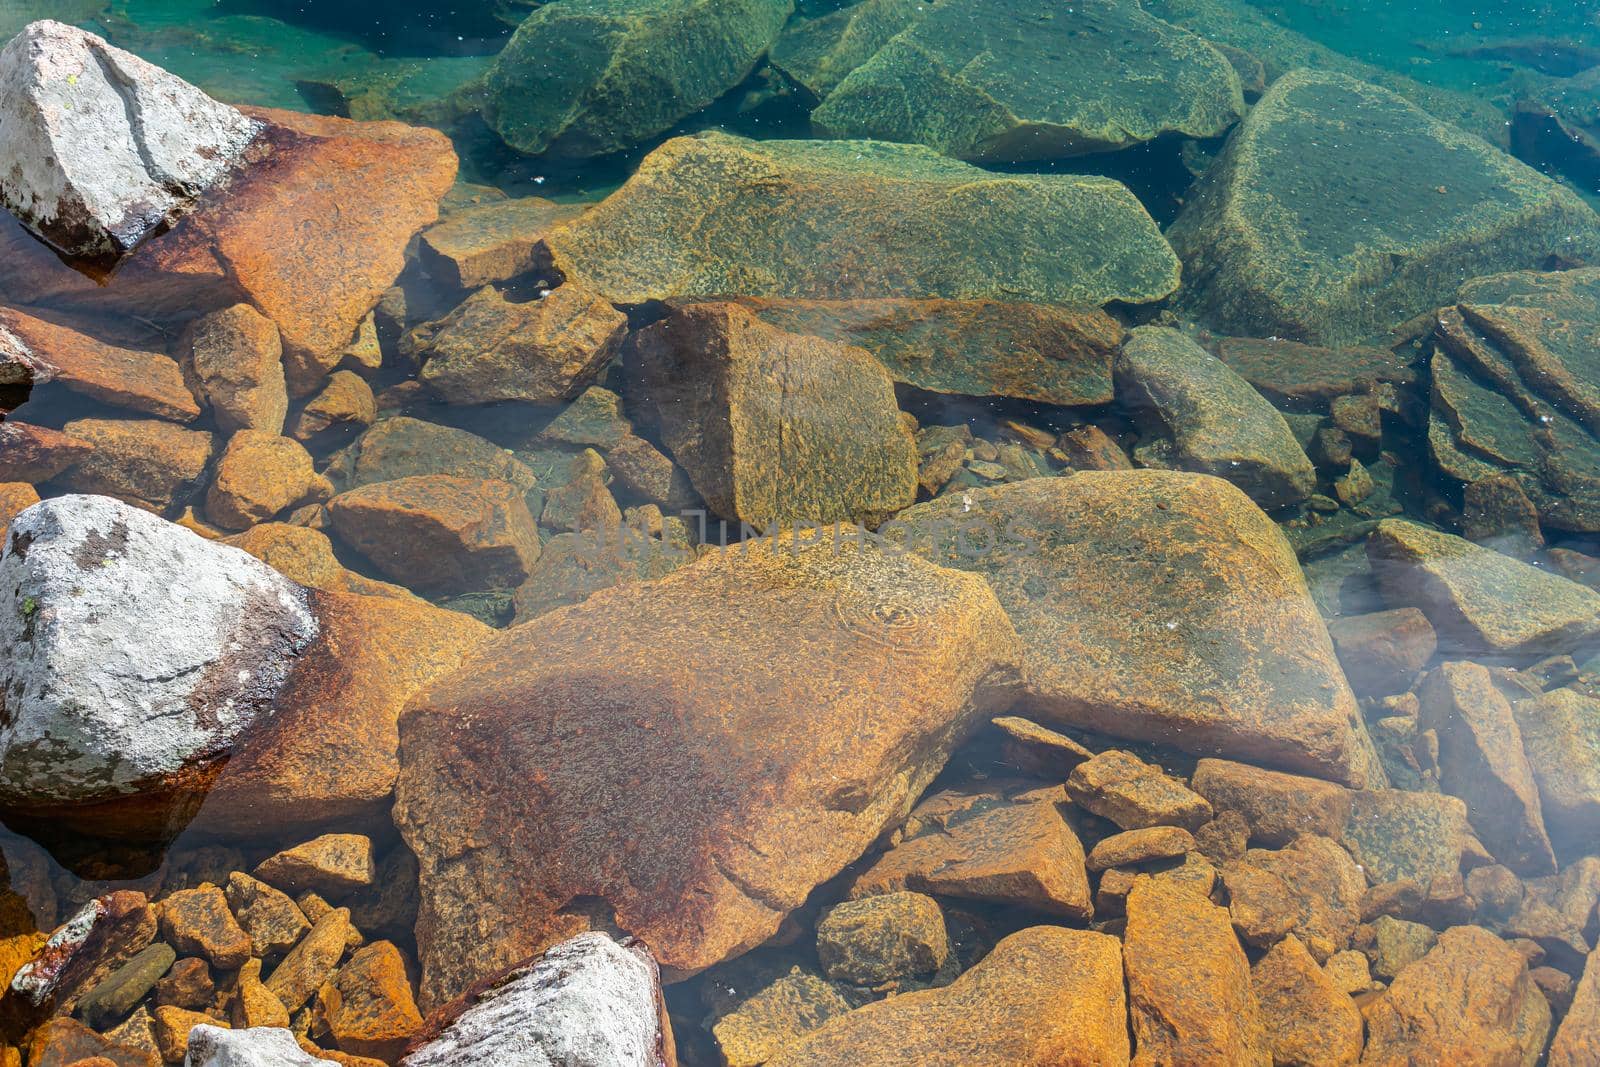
point(1003, 80)
point(714, 214)
point(1217, 422)
point(257, 1046)
point(587, 1002)
point(1338, 209)
point(102, 147)
point(587, 77)
point(136, 651)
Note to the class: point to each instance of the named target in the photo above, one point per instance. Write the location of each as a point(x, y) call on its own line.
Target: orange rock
point(145, 382)
point(762, 716)
point(369, 1006)
point(15, 497)
point(148, 463)
point(344, 697)
point(346, 400)
point(1020, 852)
point(1045, 997)
point(259, 475)
point(439, 533)
point(234, 360)
point(1577, 1043)
point(492, 242)
point(335, 864)
point(172, 1026)
point(1189, 982)
point(62, 1041)
point(306, 556)
point(197, 921)
point(254, 1004)
point(316, 232)
point(309, 963)
point(1468, 1001)
point(1279, 807)
point(1310, 1022)
point(35, 454)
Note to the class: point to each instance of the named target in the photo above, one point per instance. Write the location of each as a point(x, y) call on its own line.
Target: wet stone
point(403, 447)
point(1133, 794)
point(1397, 944)
point(344, 403)
point(882, 938)
point(1349, 971)
point(1303, 376)
point(369, 1006)
point(492, 242)
point(1133, 847)
point(1310, 1021)
point(144, 382)
point(1037, 750)
point(254, 1005)
point(334, 864)
point(778, 1014)
point(583, 504)
point(645, 471)
point(542, 351)
point(187, 985)
point(1045, 995)
point(1382, 652)
point(1277, 807)
point(62, 1042)
point(594, 419)
point(1284, 233)
point(1561, 736)
point(310, 962)
point(1188, 981)
point(258, 476)
point(1557, 912)
point(1578, 1040)
point(1218, 423)
point(1322, 886)
point(110, 1002)
point(35, 454)
point(1396, 835)
point(149, 463)
point(197, 921)
point(235, 361)
point(172, 1026)
point(715, 214)
point(572, 566)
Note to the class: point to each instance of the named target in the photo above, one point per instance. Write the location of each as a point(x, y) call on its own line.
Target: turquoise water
point(1227, 370)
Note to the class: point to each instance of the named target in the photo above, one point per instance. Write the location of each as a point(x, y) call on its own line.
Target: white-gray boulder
point(259, 1046)
point(101, 148)
point(135, 650)
point(587, 1002)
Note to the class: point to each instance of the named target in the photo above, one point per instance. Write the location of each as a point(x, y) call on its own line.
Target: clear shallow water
point(1414, 393)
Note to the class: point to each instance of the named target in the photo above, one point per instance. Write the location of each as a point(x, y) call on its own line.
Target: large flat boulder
point(1044, 997)
point(141, 381)
point(1044, 352)
point(103, 148)
point(1008, 80)
point(1513, 371)
point(588, 77)
point(139, 653)
point(717, 215)
point(1208, 419)
point(1306, 227)
point(776, 427)
point(1161, 606)
point(758, 719)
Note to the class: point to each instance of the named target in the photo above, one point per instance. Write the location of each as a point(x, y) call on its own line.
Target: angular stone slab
point(1009, 80)
point(1160, 606)
point(587, 77)
point(1217, 422)
point(146, 382)
point(717, 215)
point(1307, 227)
point(759, 718)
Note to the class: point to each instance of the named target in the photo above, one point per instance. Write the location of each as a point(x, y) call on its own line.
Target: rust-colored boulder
point(146, 382)
point(257, 476)
point(344, 698)
point(1383, 651)
point(776, 427)
point(441, 534)
point(234, 359)
point(149, 463)
point(36, 454)
point(759, 716)
point(63, 1042)
point(1577, 1042)
point(1045, 997)
point(1469, 1001)
point(14, 498)
point(1278, 807)
point(368, 1004)
point(345, 402)
point(491, 242)
point(1189, 982)
point(1310, 1021)
point(304, 555)
point(1159, 606)
point(198, 922)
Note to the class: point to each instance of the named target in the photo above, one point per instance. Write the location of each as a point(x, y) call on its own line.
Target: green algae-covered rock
point(1035, 79)
point(720, 215)
point(1339, 209)
point(586, 77)
point(818, 52)
point(1515, 367)
point(1216, 421)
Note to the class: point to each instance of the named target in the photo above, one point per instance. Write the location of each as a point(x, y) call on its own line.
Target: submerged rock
point(1513, 394)
point(1044, 352)
point(1477, 599)
point(404, 447)
point(1302, 376)
point(1218, 649)
point(1310, 1022)
point(35, 454)
point(883, 938)
point(1044, 997)
point(1561, 735)
point(145, 382)
point(586, 1002)
point(235, 360)
point(105, 148)
point(492, 242)
point(588, 77)
point(150, 463)
point(1007, 80)
point(715, 214)
point(776, 428)
point(789, 704)
point(1578, 1040)
point(1306, 228)
point(1217, 422)
point(139, 652)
